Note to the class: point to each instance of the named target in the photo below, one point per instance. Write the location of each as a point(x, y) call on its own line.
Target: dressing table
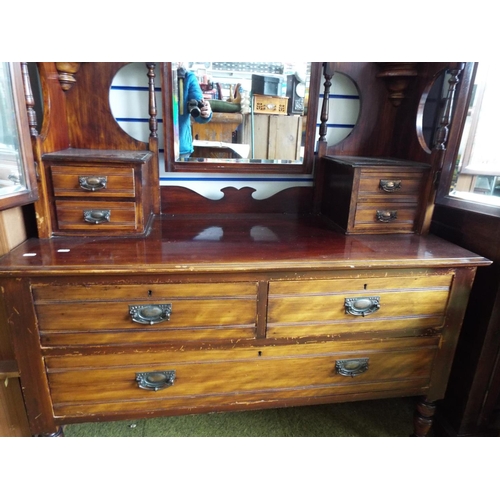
point(225, 305)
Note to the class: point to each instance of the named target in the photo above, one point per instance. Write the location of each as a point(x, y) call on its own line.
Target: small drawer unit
point(99, 192)
point(373, 195)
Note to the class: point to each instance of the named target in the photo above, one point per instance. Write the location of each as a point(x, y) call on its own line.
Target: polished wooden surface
point(223, 244)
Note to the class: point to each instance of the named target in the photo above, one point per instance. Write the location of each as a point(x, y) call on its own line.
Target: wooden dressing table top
point(184, 244)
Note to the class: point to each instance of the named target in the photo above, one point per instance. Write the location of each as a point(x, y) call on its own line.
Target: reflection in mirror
point(477, 173)
point(259, 111)
point(433, 110)
point(12, 178)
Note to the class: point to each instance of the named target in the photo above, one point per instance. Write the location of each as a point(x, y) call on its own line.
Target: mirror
point(17, 178)
point(263, 116)
point(476, 176)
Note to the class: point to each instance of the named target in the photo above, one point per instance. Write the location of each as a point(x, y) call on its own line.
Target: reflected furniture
point(274, 137)
point(225, 305)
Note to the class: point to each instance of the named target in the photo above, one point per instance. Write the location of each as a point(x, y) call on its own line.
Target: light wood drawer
point(321, 308)
point(118, 182)
point(391, 184)
point(93, 384)
point(122, 215)
point(98, 314)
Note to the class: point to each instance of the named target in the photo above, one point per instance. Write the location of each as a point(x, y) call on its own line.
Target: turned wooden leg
point(423, 417)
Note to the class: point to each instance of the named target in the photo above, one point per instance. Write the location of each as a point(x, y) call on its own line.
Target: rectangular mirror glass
point(263, 115)
point(17, 185)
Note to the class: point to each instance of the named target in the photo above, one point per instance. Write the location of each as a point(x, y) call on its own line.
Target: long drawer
point(99, 314)
point(332, 308)
point(178, 379)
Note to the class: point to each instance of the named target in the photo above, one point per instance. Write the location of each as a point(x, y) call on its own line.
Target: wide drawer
point(385, 217)
point(106, 383)
point(97, 215)
point(102, 314)
point(95, 181)
point(398, 306)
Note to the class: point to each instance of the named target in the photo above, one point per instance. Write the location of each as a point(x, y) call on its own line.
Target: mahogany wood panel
point(180, 200)
point(373, 132)
point(91, 124)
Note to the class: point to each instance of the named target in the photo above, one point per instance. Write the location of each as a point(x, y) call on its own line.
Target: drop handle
point(155, 381)
point(361, 306)
point(96, 216)
point(92, 182)
point(150, 314)
point(389, 186)
point(386, 215)
point(351, 367)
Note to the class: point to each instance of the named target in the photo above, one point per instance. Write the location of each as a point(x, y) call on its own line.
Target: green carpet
point(378, 418)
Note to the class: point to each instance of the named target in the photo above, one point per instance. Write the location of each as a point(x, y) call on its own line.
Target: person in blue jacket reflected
point(191, 104)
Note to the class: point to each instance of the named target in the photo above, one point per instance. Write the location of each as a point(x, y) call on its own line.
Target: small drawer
point(358, 308)
point(175, 380)
point(391, 184)
point(93, 181)
point(94, 215)
point(385, 218)
point(138, 314)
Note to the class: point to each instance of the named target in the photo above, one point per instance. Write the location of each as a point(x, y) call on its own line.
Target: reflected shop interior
point(259, 111)
point(11, 167)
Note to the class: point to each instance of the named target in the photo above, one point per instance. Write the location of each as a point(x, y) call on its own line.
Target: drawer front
point(390, 184)
point(94, 215)
point(395, 306)
point(92, 182)
point(97, 315)
point(386, 217)
point(82, 385)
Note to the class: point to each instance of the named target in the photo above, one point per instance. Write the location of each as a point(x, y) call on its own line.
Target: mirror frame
point(30, 193)
point(305, 167)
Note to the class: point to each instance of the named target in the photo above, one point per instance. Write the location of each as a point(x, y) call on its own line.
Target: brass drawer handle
point(92, 183)
point(155, 381)
point(96, 216)
point(389, 186)
point(150, 314)
point(386, 215)
point(351, 367)
point(361, 306)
